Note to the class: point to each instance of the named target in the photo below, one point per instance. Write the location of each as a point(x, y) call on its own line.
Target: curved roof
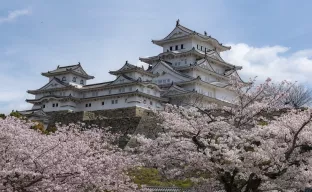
point(198, 79)
point(130, 68)
point(202, 54)
point(90, 98)
point(188, 33)
point(75, 69)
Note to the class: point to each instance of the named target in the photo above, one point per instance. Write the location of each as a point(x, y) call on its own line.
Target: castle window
point(201, 48)
point(176, 47)
point(205, 49)
point(89, 104)
point(182, 46)
point(74, 79)
point(197, 46)
point(184, 61)
point(116, 101)
point(110, 91)
point(102, 102)
point(56, 104)
point(113, 101)
point(144, 101)
point(170, 48)
point(151, 102)
point(43, 106)
point(64, 79)
point(130, 88)
point(81, 82)
point(53, 105)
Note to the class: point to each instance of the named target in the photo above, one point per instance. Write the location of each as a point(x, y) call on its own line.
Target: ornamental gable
point(54, 83)
point(177, 32)
point(205, 64)
point(162, 70)
point(80, 70)
point(122, 79)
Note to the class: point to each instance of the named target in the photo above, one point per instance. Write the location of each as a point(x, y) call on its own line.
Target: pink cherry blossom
point(245, 149)
point(67, 160)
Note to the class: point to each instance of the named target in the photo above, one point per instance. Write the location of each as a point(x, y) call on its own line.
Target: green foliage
point(38, 126)
point(2, 116)
point(15, 114)
point(262, 123)
point(152, 177)
point(51, 129)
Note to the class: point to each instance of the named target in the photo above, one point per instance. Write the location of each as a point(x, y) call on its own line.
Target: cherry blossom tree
point(71, 159)
point(239, 148)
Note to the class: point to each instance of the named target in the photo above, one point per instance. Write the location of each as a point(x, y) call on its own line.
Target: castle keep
point(189, 66)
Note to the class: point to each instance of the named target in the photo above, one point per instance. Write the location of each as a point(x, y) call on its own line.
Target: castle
point(189, 67)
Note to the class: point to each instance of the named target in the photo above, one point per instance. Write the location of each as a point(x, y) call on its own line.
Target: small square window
point(176, 47)
point(53, 105)
point(102, 102)
point(151, 102)
point(43, 106)
point(116, 101)
point(89, 104)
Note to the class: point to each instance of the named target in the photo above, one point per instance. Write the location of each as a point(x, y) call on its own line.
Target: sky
point(268, 38)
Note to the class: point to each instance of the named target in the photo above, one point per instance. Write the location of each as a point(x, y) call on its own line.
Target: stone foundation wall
point(125, 121)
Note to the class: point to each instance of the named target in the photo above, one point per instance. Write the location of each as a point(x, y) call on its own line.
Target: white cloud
point(276, 62)
point(15, 14)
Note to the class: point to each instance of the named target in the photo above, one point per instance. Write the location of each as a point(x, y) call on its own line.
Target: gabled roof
point(198, 80)
point(70, 97)
point(181, 32)
point(131, 68)
point(210, 54)
point(173, 90)
point(74, 69)
point(168, 66)
point(53, 84)
point(34, 112)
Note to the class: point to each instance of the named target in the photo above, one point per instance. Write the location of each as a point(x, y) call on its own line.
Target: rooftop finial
point(78, 63)
point(205, 33)
point(58, 66)
point(126, 62)
point(178, 22)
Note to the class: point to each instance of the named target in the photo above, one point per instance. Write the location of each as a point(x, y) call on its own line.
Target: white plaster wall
point(69, 79)
point(187, 45)
point(225, 94)
point(218, 68)
point(204, 76)
point(196, 42)
point(211, 92)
